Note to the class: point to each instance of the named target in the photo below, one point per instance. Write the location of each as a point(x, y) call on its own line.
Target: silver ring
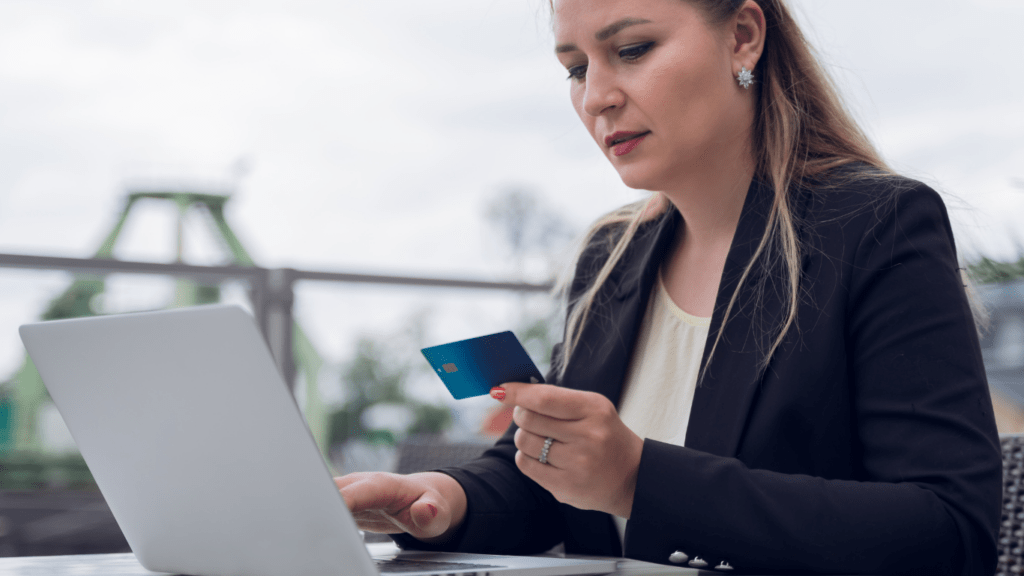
point(544, 451)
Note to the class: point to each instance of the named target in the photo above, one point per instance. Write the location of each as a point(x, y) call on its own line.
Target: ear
point(748, 32)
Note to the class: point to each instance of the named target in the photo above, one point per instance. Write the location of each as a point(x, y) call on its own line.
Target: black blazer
point(868, 445)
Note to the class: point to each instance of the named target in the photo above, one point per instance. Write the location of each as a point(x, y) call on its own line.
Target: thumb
point(428, 517)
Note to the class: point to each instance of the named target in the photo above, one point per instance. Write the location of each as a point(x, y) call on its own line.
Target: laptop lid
point(200, 450)
point(196, 443)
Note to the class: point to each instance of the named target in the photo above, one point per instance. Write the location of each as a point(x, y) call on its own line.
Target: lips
point(623, 143)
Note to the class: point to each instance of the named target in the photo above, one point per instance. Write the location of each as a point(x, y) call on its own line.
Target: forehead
point(572, 18)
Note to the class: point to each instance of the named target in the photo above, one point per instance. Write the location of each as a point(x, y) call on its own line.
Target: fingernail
point(498, 393)
point(433, 510)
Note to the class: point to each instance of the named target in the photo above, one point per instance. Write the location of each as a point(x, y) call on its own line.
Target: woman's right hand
point(430, 506)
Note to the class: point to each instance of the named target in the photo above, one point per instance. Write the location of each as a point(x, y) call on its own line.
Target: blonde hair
point(801, 130)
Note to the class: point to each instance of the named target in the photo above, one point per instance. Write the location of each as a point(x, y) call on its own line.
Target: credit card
point(472, 367)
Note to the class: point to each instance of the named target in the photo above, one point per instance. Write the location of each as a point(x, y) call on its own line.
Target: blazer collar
point(723, 399)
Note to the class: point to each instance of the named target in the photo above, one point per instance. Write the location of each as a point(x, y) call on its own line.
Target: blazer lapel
point(724, 398)
point(606, 344)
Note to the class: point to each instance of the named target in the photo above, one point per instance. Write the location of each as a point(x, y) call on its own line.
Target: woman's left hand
point(593, 460)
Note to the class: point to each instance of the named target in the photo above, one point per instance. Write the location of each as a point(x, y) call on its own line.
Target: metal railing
point(272, 290)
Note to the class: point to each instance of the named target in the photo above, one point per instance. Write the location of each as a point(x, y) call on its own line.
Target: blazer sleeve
point(929, 498)
point(508, 513)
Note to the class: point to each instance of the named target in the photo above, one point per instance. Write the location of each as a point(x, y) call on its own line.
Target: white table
point(127, 565)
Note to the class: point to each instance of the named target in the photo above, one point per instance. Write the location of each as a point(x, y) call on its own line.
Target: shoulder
point(600, 242)
point(852, 190)
point(858, 200)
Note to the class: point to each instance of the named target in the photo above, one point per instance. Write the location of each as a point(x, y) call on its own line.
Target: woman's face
point(654, 84)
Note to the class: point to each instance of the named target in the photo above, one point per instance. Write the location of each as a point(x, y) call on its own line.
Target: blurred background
point(400, 139)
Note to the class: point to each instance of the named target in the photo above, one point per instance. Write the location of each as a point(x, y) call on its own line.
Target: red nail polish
point(433, 510)
point(498, 393)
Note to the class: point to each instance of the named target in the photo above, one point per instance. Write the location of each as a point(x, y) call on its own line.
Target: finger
point(553, 401)
point(426, 515)
point(390, 503)
point(544, 474)
point(542, 426)
point(377, 492)
point(422, 519)
point(403, 525)
point(342, 481)
point(532, 446)
point(528, 442)
point(376, 521)
point(377, 524)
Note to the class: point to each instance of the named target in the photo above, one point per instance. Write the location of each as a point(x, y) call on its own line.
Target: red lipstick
point(623, 143)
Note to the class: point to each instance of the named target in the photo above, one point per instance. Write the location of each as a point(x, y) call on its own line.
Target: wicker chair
point(1011, 531)
point(420, 454)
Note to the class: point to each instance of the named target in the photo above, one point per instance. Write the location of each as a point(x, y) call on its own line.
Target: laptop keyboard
point(398, 565)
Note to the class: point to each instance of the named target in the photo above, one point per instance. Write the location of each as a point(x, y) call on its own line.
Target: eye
point(630, 53)
point(577, 73)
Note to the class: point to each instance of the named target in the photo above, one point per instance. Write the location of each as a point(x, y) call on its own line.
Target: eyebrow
point(605, 33)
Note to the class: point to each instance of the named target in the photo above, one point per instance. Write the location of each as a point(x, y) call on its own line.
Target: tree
point(529, 227)
point(988, 271)
point(375, 379)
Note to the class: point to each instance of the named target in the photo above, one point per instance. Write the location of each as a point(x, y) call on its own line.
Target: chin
point(638, 179)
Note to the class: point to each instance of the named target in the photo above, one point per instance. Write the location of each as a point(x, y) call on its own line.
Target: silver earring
point(745, 78)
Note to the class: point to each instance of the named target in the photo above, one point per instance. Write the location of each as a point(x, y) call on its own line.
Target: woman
point(768, 365)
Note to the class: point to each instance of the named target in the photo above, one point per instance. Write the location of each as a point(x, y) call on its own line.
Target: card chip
point(449, 368)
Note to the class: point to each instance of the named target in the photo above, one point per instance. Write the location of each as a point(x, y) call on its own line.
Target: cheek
point(694, 102)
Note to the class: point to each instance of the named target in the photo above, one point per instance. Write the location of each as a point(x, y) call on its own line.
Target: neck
point(711, 202)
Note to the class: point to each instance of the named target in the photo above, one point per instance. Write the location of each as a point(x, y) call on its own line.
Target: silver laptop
point(204, 458)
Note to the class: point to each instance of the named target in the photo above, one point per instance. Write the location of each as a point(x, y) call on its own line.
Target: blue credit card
point(472, 367)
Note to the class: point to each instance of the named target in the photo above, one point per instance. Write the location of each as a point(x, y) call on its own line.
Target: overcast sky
point(369, 136)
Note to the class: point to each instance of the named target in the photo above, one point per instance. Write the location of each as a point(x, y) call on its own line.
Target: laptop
point(204, 457)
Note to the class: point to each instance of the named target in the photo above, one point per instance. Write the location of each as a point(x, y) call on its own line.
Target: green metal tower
point(24, 395)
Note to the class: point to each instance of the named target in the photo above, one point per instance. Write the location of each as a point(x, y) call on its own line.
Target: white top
point(658, 391)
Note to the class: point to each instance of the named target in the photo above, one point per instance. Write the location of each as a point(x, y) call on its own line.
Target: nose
point(602, 93)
